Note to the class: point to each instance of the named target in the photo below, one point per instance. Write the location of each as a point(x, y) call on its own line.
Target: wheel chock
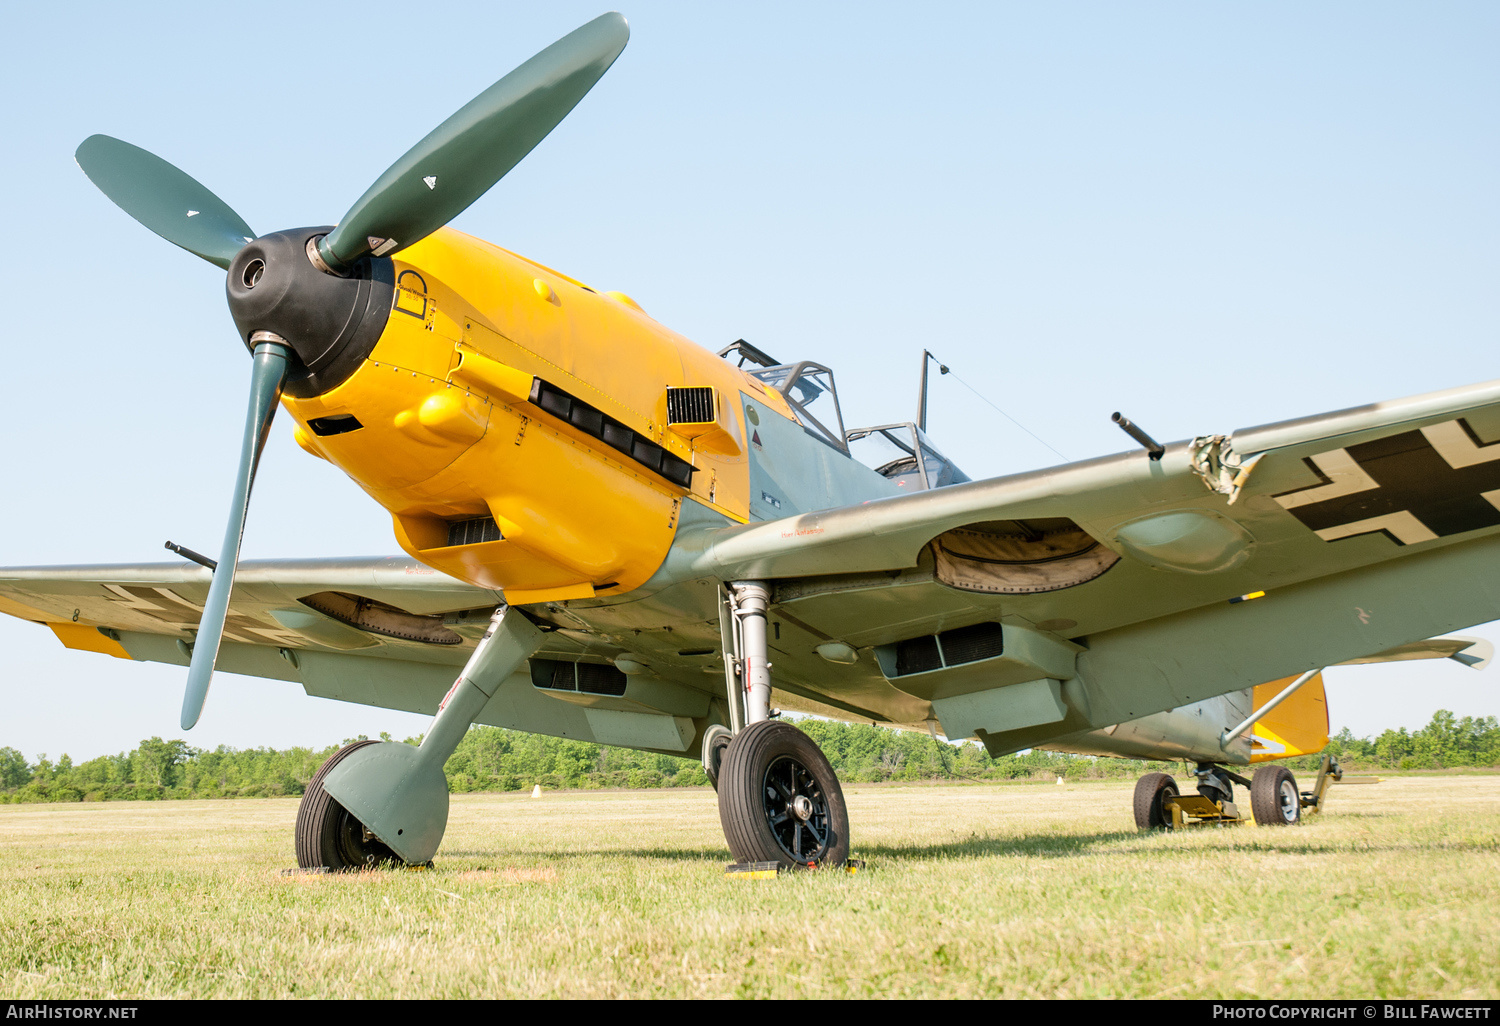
point(771, 870)
point(1193, 810)
point(416, 867)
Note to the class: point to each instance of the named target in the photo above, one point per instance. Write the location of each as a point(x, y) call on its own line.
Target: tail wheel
point(1273, 797)
point(779, 799)
point(1151, 794)
point(327, 836)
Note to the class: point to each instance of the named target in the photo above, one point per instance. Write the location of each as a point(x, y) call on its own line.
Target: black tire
point(327, 836)
point(766, 769)
point(1151, 791)
point(1273, 797)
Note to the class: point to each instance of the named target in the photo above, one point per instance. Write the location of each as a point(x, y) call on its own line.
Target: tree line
point(495, 759)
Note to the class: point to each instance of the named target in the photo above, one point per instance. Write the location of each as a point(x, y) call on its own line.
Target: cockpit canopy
point(807, 387)
point(903, 454)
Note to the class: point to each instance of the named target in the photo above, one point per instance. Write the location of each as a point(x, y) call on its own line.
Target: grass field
point(1013, 891)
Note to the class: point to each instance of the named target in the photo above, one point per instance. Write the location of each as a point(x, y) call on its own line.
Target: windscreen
point(809, 388)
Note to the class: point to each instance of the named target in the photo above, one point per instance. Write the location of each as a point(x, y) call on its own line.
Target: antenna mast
point(922, 390)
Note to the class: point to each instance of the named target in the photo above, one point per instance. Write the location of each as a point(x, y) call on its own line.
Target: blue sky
point(1208, 216)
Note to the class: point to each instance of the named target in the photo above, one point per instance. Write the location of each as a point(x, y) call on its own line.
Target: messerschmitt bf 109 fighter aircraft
point(616, 536)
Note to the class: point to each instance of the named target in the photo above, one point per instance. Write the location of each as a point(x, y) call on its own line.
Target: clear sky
point(1208, 216)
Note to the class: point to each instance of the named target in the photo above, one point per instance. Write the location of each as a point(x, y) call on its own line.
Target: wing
point(383, 631)
point(319, 622)
point(1135, 585)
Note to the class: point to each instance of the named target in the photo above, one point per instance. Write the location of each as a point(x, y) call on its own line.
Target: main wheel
point(1273, 797)
point(328, 837)
point(779, 800)
point(1151, 793)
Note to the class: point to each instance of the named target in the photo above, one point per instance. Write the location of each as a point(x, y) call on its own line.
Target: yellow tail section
point(1298, 726)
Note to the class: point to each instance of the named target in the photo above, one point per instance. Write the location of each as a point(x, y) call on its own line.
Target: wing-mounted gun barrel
point(196, 557)
point(1153, 448)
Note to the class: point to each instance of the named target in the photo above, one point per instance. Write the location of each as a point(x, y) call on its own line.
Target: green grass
point(1018, 891)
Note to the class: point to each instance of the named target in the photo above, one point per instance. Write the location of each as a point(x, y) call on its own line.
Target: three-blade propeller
point(440, 176)
point(266, 375)
point(171, 203)
point(435, 181)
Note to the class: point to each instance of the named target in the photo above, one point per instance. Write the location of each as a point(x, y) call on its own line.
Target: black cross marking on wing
point(173, 612)
point(1414, 478)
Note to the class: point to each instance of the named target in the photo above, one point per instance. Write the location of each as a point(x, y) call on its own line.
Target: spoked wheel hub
point(796, 810)
point(356, 847)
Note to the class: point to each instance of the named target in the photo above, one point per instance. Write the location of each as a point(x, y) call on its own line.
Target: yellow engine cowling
point(447, 431)
point(1298, 726)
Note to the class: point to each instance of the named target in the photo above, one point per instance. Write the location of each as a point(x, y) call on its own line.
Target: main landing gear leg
point(779, 799)
point(391, 797)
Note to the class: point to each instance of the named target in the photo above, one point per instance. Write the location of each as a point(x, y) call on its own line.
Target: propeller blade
point(457, 163)
point(163, 198)
point(266, 377)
